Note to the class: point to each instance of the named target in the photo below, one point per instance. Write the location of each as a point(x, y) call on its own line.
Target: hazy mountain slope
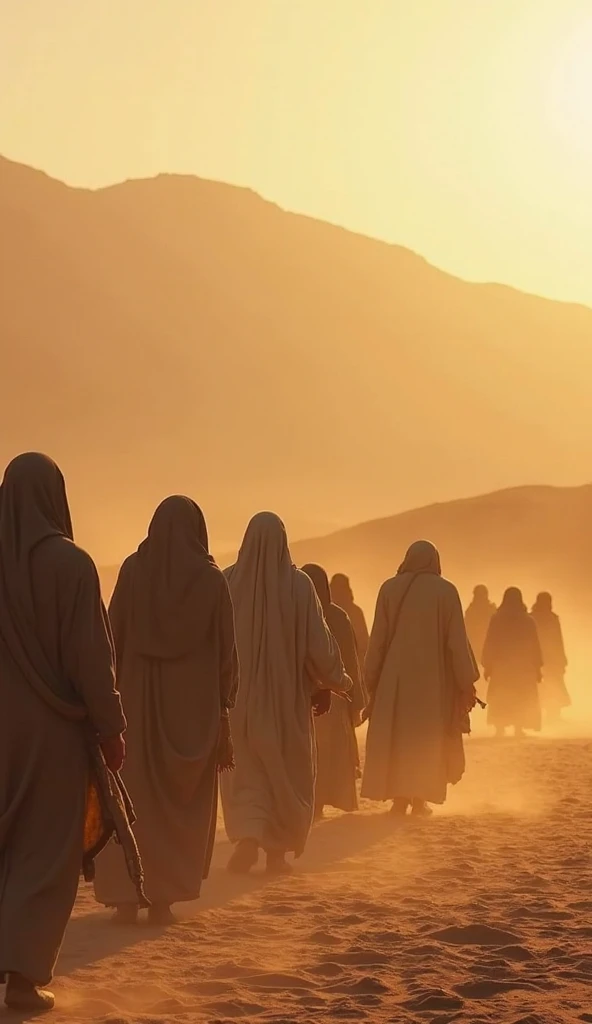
point(535, 537)
point(177, 334)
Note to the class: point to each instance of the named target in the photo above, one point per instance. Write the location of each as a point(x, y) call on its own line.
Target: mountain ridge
point(172, 176)
point(172, 334)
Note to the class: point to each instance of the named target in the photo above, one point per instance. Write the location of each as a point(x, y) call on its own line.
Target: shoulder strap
point(400, 608)
point(370, 708)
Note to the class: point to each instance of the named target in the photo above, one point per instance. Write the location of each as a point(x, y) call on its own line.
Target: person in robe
point(286, 654)
point(59, 708)
point(553, 691)
point(343, 596)
point(512, 665)
point(477, 618)
point(420, 675)
point(173, 626)
point(337, 749)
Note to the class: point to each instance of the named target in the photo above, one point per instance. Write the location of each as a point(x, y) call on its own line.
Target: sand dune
point(184, 335)
point(480, 915)
point(534, 536)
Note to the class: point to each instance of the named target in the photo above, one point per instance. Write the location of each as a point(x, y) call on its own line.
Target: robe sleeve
point(229, 667)
point(350, 659)
point(378, 644)
point(535, 649)
point(561, 645)
point(323, 660)
point(459, 655)
point(87, 652)
point(118, 610)
point(362, 634)
point(489, 648)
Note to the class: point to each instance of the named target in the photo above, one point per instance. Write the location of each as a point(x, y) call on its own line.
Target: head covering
point(172, 595)
point(33, 509)
point(543, 604)
point(341, 591)
point(511, 621)
point(513, 603)
point(481, 594)
point(321, 584)
point(341, 627)
point(263, 589)
point(421, 557)
point(550, 635)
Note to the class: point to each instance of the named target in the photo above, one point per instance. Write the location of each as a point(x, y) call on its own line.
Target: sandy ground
point(483, 913)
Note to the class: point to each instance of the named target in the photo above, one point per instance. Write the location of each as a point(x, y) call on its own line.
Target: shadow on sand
point(91, 936)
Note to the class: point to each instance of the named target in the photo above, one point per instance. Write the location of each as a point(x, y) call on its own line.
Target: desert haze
point(532, 537)
point(198, 338)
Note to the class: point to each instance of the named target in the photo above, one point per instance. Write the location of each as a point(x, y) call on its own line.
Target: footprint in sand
point(364, 986)
point(345, 1013)
point(236, 1008)
point(486, 989)
point(327, 969)
point(209, 988)
point(324, 938)
point(233, 970)
point(286, 982)
point(433, 999)
point(517, 953)
point(475, 935)
point(361, 958)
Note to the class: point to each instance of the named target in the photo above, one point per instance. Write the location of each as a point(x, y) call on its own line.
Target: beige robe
point(415, 678)
point(285, 652)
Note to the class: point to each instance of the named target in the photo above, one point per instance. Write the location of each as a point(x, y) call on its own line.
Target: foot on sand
point(125, 915)
point(399, 808)
point(420, 809)
point(160, 914)
point(277, 864)
point(23, 995)
point(244, 857)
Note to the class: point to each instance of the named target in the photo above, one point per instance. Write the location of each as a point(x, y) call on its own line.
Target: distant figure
point(512, 663)
point(554, 695)
point(420, 674)
point(337, 749)
point(173, 627)
point(477, 618)
point(285, 652)
point(342, 595)
point(58, 705)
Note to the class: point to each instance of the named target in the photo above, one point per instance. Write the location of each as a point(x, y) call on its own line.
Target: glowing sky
point(459, 128)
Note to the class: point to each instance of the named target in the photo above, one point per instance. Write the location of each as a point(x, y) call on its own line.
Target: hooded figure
point(512, 664)
point(173, 626)
point(554, 695)
point(59, 705)
point(286, 653)
point(420, 674)
point(337, 749)
point(342, 595)
point(477, 618)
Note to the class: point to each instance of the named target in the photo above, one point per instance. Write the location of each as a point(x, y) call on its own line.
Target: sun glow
point(571, 97)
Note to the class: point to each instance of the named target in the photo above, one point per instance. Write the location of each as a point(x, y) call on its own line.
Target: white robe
point(285, 652)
